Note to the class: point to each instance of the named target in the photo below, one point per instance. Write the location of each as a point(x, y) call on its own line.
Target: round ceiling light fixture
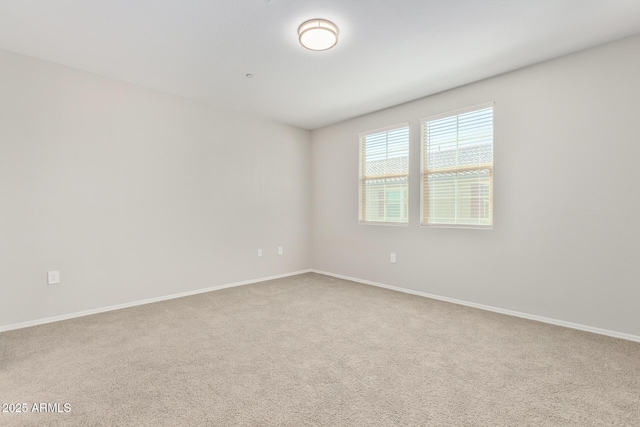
point(318, 34)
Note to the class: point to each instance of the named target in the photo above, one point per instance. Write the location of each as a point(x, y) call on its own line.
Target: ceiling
point(390, 51)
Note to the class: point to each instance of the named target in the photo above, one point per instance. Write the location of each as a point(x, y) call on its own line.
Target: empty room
point(319, 213)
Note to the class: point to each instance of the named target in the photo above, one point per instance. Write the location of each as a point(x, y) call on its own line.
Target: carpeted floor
point(315, 350)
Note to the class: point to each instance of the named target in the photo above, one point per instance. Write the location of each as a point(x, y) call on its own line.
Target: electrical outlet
point(259, 253)
point(280, 251)
point(393, 258)
point(53, 277)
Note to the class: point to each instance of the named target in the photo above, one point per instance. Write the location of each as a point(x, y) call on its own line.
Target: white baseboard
point(141, 302)
point(490, 308)
point(571, 325)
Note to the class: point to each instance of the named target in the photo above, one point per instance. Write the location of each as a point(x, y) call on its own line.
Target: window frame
point(361, 136)
point(423, 146)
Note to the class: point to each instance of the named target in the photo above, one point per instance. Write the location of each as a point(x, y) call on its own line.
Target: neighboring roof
point(482, 153)
point(388, 166)
point(474, 154)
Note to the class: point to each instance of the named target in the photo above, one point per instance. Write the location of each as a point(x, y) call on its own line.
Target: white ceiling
point(390, 51)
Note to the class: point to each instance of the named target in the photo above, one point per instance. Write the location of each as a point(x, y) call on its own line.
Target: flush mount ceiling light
point(318, 34)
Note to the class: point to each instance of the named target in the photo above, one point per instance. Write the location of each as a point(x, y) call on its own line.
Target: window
point(384, 176)
point(457, 168)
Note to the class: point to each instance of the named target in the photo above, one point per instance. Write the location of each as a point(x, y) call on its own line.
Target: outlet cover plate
point(53, 277)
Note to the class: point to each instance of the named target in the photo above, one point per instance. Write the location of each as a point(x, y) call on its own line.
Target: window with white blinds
point(457, 168)
point(384, 176)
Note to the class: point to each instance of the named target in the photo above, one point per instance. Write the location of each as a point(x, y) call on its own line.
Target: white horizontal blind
point(457, 168)
point(384, 175)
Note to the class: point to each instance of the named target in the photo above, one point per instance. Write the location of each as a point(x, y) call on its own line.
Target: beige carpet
point(314, 350)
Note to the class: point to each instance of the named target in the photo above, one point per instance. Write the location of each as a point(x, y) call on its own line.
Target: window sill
point(466, 226)
point(392, 224)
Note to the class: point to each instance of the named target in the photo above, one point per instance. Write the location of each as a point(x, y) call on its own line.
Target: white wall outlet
point(259, 253)
point(280, 251)
point(393, 258)
point(53, 277)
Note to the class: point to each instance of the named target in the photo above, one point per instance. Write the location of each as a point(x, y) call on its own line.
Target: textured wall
point(134, 194)
point(566, 238)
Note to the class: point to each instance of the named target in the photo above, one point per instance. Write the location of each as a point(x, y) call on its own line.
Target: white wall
point(566, 238)
point(134, 194)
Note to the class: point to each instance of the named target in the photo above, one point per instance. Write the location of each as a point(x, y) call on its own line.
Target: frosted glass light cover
point(318, 34)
